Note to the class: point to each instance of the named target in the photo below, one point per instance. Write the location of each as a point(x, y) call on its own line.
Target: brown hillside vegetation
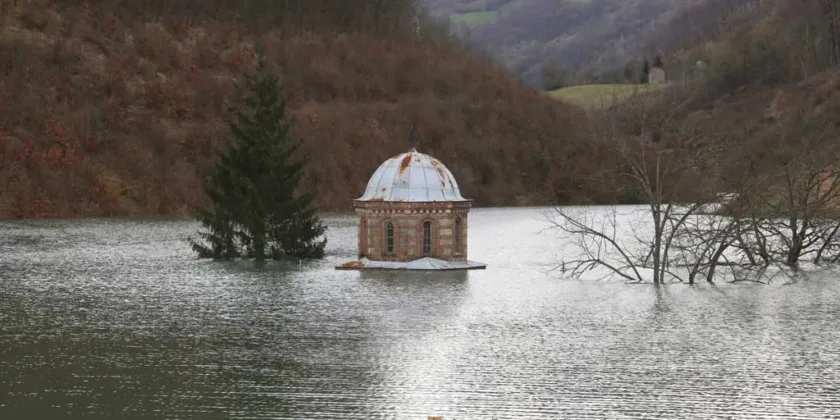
point(751, 139)
point(583, 37)
point(752, 117)
point(104, 114)
point(763, 65)
point(771, 73)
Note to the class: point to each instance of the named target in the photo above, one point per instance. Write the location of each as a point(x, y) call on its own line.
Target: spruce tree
point(643, 78)
point(256, 210)
point(657, 61)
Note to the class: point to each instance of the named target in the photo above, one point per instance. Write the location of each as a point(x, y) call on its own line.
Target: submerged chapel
point(412, 217)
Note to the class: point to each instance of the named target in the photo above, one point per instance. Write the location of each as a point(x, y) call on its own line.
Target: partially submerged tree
point(782, 203)
point(663, 160)
point(790, 203)
point(256, 209)
point(785, 205)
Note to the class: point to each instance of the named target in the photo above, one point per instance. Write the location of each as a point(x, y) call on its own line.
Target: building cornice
point(408, 208)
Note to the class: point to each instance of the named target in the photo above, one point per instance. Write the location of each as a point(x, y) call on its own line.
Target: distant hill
point(580, 35)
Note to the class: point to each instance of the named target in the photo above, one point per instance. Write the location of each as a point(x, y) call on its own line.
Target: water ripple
point(116, 319)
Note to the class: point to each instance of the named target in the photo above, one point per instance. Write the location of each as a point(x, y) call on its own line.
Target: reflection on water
point(117, 319)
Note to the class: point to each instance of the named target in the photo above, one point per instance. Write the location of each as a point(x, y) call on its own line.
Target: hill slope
point(581, 35)
point(106, 116)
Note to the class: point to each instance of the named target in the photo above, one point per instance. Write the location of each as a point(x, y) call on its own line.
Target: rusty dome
point(412, 177)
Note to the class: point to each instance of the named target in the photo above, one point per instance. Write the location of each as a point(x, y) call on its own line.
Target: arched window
point(427, 238)
point(458, 235)
point(389, 237)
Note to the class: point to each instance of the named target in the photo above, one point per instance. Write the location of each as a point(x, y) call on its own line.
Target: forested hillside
point(116, 108)
point(755, 85)
point(765, 42)
point(584, 37)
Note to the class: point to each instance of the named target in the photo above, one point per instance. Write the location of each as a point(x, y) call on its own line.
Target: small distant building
point(656, 75)
point(412, 217)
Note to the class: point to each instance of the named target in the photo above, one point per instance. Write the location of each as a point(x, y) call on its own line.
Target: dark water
point(116, 319)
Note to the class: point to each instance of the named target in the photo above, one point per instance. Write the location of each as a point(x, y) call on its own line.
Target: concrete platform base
point(422, 264)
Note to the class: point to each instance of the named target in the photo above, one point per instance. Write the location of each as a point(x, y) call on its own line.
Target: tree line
point(553, 76)
point(740, 41)
point(752, 41)
point(379, 16)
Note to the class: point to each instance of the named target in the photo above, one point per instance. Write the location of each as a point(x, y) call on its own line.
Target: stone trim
point(364, 236)
point(408, 219)
point(458, 236)
point(401, 207)
point(409, 212)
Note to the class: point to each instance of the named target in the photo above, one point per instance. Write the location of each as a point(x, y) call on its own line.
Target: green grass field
point(597, 96)
point(475, 18)
point(484, 16)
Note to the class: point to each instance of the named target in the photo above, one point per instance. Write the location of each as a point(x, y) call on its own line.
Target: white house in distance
point(656, 75)
point(412, 217)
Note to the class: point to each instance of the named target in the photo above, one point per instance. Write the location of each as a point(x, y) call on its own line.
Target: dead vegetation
point(771, 151)
point(105, 115)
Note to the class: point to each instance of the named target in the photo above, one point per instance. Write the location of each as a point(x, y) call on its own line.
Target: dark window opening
point(427, 238)
point(389, 237)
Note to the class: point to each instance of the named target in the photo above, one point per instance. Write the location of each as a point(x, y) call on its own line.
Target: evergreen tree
point(643, 78)
point(657, 61)
point(256, 210)
point(628, 73)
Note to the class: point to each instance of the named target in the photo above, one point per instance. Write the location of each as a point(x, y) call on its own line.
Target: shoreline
point(324, 213)
point(176, 218)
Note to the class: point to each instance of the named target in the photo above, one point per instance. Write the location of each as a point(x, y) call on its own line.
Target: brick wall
point(408, 220)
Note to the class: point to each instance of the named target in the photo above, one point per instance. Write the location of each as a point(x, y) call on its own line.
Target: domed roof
point(412, 177)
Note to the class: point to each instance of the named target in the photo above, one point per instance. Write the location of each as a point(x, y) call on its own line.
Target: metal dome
point(412, 177)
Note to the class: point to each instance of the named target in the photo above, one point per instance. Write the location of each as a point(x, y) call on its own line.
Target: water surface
point(117, 319)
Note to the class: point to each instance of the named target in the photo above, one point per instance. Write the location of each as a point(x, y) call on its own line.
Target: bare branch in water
point(775, 216)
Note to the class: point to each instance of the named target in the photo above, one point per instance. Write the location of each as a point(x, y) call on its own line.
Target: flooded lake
point(117, 319)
